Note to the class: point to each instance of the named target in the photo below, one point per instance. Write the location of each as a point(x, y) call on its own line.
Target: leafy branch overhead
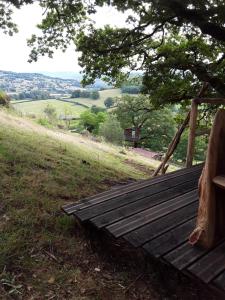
point(176, 44)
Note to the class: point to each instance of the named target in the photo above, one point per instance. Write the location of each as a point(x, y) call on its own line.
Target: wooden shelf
point(220, 181)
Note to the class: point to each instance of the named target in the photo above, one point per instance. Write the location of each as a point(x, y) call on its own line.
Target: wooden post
point(191, 138)
point(176, 139)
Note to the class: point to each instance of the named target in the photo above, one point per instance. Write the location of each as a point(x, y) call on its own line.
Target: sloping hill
point(43, 253)
point(20, 82)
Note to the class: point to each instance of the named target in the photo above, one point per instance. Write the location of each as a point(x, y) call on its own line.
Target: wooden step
point(220, 181)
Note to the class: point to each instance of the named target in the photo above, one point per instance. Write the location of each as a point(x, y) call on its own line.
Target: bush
point(50, 112)
point(111, 130)
point(44, 122)
point(4, 99)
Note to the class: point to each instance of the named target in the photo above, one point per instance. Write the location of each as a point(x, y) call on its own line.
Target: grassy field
point(37, 107)
point(103, 95)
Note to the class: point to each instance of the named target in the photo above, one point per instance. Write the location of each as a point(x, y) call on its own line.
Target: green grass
point(37, 107)
point(43, 253)
point(103, 95)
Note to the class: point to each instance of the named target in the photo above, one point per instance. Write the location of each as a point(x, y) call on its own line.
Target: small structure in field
point(132, 134)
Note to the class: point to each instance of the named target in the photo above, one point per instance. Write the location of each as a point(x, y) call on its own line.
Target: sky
point(14, 51)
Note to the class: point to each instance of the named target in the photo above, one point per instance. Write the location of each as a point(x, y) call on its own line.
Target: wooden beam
point(191, 139)
point(172, 147)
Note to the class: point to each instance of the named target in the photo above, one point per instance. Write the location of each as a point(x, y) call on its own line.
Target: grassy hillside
point(37, 107)
point(43, 253)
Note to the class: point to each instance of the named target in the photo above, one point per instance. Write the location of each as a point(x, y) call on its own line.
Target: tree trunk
point(211, 212)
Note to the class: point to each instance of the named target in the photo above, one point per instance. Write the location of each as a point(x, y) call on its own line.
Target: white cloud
point(14, 51)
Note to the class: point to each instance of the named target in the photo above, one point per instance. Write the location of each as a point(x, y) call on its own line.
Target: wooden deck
point(157, 215)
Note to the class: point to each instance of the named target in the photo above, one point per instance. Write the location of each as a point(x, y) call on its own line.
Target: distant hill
point(13, 82)
point(76, 76)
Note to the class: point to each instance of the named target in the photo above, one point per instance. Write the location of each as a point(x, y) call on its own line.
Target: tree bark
point(191, 138)
point(211, 221)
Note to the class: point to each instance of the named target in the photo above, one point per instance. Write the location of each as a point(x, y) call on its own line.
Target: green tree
point(85, 94)
point(95, 95)
point(131, 89)
point(133, 111)
point(96, 109)
point(176, 44)
point(200, 148)
point(91, 121)
point(111, 130)
point(109, 102)
point(157, 126)
point(76, 94)
point(158, 130)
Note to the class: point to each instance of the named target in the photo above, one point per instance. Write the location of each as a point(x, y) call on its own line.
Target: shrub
point(44, 122)
point(111, 130)
point(4, 99)
point(50, 112)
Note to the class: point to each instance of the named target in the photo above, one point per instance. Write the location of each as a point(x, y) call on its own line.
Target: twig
point(134, 281)
point(51, 256)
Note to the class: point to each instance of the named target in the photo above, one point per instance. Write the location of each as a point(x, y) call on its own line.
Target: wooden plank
point(170, 240)
point(105, 196)
point(212, 101)
point(100, 208)
point(135, 221)
point(210, 265)
point(106, 218)
point(140, 219)
point(219, 181)
point(219, 281)
point(152, 182)
point(154, 229)
point(184, 255)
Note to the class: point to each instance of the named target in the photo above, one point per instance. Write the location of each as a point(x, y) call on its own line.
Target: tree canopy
point(176, 44)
